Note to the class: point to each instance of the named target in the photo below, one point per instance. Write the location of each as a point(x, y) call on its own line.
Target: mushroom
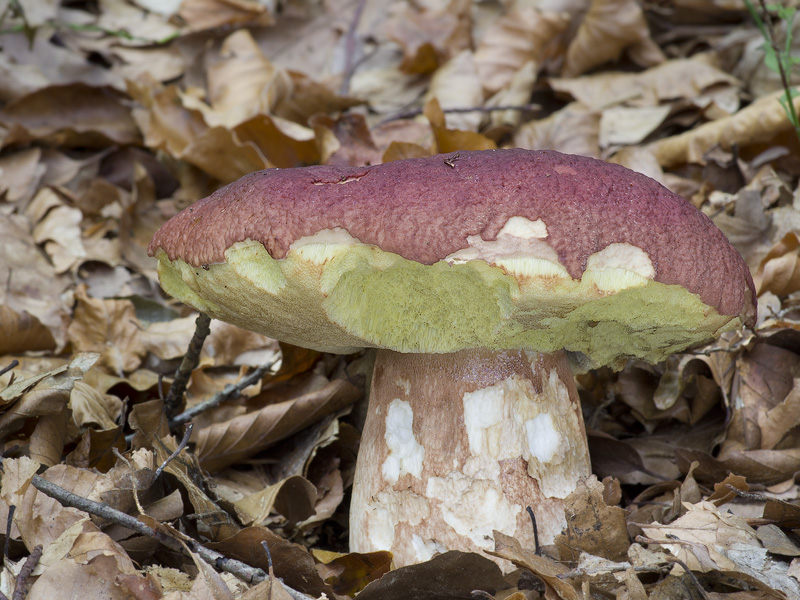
point(477, 276)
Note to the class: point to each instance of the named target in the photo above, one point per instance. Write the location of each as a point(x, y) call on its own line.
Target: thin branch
point(189, 363)
point(13, 364)
point(230, 391)
point(673, 559)
point(410, 114)
point(178, 450)
point(747, 495)
point(350, 48)
point(21, 585)
point(602, 570)
point(9, 523)
point(65, 497)
point(241, 570)
point(536, 548)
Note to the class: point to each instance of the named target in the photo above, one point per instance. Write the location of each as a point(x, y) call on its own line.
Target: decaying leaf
point(449, 575)
point(760, 122)
point(706, 539)
point(526, 34)
point(110, 328)
point(592, 526)
point(115, 115)
point(607, 28)
point(225, 443)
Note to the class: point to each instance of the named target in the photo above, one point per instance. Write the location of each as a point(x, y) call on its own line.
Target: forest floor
point(115, 114)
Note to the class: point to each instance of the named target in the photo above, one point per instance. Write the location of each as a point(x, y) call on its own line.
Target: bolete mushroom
point(471, 273)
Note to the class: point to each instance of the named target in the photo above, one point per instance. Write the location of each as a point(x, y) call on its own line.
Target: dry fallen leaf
point(225, 443)
point(606, 29)
point(110, 328)
point(592, 526)
point(760, 122)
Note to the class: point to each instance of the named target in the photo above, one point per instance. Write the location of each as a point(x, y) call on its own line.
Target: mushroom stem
point(457, 445)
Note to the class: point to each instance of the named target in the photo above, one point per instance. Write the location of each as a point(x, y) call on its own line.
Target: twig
point(350, 48)
point(241, 570)
point(271, 573)
point(674, 559)
point(14, 363)
point(189, 363)
point(230, 391)
point(21, 585)
point(65, 497)
point(9, 523)
point(536, 548)
point(747, 495)
point(410, 114)
point(178, 450)
point(601, 570)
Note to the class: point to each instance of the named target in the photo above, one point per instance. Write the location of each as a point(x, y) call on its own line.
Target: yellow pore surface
point(338, 296)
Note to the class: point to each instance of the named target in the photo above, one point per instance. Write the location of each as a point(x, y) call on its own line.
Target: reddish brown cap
point(477, 205)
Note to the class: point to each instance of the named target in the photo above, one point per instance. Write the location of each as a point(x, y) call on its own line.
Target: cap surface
point(497, 249)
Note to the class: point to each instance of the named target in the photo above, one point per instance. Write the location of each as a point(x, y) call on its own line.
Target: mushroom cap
point(499, 249)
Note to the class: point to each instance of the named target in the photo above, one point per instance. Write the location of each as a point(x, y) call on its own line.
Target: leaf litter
point(115, 115)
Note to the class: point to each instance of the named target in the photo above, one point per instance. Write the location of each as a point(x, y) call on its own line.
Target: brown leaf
point(294, 498)
point(678, 78)
point(109, 327)
point(456, 85)
point(32, 284)
point(783, 514)
point(779, 271)
point(348, 574)
point(346, 140)
point(22, 172)
point(41, 519)
point(592, 526)
point(617, 458)
point(210, 14)
point(450, 140)
point(703, 537)
point(46, 444)
point(765, 380)
point(214, 522)
point(45, 394)
point(243, 82)
point(544, 567)
point(21, 331)
point(70, 579)
point(291, 561)
point(723, 494)
point(73, 115)
point(761, 121)
point(573, 129)
point(776, 541)
point(403, 150)
point(452, 575)
point(608, 28)
point(524, 34)
point(95, 449)
point(57, 229)
point(429, 36)
point(284, 144)
point(226, 443)
point(149, 422)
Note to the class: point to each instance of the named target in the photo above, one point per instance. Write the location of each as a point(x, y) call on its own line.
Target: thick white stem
point(458, 445)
